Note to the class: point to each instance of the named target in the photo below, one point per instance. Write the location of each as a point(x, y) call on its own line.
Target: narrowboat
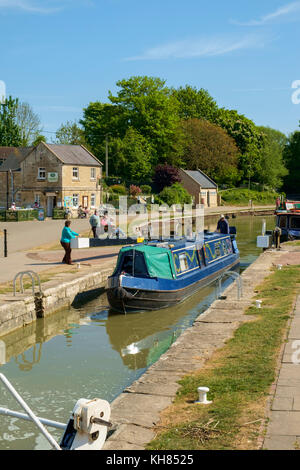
point(155, 275)
point(288, 219)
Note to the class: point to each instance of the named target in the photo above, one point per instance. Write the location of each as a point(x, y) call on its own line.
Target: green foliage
point(118, 189)
point(10, 132)
point(146, 189)
point(243, 196)
point(195, 103)
point(211, 149)
point(70, 134)
point(38, 140)
point(28, 122)
point(272, 169)
point(175, 194)
point(291, 157)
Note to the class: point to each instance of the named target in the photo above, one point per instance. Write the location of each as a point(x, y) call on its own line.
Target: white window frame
point(42, 173)
point(93, 200)
point(93, 174)
point(75, 173)
point(74, 198)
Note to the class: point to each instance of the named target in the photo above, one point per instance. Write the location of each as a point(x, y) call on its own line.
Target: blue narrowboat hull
point(133, 294)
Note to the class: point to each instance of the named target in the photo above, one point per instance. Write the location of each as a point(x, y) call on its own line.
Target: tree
point(248, 139)
point(38, 140)
point(150, 108)
point(28, 122)
point(195, 103)
point(209, 148)
point(272, 165)
point(142, 103)
point(291, 156)
point(70, 134)
point(165, 175)
point(135, 157)
point(10, 132)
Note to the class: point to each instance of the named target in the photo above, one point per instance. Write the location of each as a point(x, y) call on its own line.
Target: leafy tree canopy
point(10, 131)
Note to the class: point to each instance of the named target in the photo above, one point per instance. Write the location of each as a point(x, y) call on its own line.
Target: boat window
point(282, 222)
point(183, 262)
point(127, 264)
point(295, 222)
point(140, 268)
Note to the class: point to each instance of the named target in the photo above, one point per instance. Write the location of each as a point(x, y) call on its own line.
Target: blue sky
point(58, 55)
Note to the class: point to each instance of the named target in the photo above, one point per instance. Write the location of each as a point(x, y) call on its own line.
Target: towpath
point(30, 244)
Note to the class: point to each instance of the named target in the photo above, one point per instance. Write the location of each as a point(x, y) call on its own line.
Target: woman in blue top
point(66, 237)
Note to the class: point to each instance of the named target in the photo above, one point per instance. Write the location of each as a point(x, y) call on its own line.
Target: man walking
point(95, 222)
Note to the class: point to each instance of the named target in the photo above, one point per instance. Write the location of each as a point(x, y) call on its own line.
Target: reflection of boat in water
point(140, 339)
point(152, 276)
point(288, 219)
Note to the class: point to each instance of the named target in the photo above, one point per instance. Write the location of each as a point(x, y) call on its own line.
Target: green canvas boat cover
point(159, 261)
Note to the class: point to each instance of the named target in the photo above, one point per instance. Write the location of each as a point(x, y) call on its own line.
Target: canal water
point(87, 352)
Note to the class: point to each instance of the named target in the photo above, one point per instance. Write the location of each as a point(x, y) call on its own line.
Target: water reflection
point(141, 338)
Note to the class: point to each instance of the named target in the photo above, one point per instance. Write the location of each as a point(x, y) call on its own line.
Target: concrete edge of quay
point(60, 292)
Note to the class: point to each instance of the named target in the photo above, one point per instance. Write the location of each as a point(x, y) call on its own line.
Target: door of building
point(50, 205)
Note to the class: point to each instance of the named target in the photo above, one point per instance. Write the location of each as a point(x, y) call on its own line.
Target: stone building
point(202, 188)
point(53, 176)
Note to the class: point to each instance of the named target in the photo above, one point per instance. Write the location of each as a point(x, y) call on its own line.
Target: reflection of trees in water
point(25, 364)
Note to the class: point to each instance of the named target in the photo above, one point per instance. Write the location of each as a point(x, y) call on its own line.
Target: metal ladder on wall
point(236, 277)
point(32, 275)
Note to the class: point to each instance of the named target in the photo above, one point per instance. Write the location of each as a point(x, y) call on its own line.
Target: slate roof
point(14, 157)
point(201, 178)
point(74, 155)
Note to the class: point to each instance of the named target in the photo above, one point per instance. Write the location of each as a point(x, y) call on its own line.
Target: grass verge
point(239, 377)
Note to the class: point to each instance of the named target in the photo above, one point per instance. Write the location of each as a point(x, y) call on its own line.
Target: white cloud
point(201, 47)
point(286, 12)
point(39, 6)
point(27, 6)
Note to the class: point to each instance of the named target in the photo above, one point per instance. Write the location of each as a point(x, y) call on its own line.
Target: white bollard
point(78, 265)
point(202, 391)
point(258, 303)
point(279, 266)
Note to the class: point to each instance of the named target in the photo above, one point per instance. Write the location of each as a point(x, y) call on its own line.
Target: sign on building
point(52, 177)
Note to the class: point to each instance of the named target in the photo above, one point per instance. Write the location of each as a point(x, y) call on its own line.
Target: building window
point(93, 173)
point(93, 200)
point(75, 173)
point(75, 200)
point(41, 173)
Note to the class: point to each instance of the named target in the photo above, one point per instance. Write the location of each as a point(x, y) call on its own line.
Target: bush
point(242, 196)
point(118, 189)
point(134, 190)
point(146, 189)
point(175, 194)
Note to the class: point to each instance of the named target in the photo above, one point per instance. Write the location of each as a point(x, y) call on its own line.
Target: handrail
point(29, 412)
point(236, 276)
point(31, 274)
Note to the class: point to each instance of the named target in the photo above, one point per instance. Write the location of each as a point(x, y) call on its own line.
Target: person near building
point(95, 223)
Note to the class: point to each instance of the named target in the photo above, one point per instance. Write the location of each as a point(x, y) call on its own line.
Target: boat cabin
point(288, 219)
point(171, 260)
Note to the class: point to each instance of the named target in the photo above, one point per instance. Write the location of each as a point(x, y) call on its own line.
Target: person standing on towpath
point(65, 241)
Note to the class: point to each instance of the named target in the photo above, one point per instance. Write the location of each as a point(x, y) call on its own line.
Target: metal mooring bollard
point(202, 391)
point(258, 303)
